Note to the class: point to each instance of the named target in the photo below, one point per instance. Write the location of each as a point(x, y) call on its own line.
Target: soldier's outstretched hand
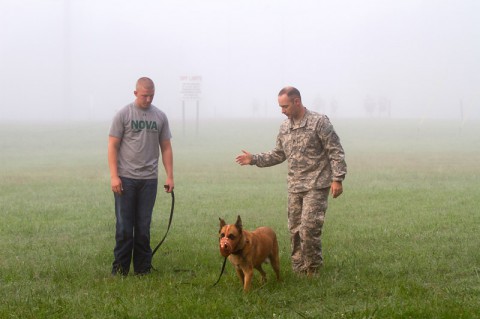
point(244, 159)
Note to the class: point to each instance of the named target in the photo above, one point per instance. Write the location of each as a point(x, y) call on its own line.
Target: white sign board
point(191, 87)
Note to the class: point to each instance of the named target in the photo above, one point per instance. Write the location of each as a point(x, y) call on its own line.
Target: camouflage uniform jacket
point(315, 155)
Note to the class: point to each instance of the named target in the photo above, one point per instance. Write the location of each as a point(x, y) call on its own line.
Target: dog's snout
point(224, 243)
point(225, 248)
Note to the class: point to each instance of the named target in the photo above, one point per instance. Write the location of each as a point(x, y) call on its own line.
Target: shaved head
point(145, 83)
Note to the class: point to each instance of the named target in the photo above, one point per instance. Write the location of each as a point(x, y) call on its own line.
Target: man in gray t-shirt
point(138, 134)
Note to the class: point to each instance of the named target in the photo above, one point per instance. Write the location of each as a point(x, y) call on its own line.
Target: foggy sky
point(79, 59)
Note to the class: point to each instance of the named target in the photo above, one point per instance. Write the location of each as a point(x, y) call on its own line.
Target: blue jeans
point(133, 211)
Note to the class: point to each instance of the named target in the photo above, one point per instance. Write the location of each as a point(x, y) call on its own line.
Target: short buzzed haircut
point(291, 92)
point(146, 83)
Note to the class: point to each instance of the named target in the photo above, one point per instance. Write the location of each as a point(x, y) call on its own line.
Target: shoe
point(312, 272)
point(118, 270)
point(144, 272)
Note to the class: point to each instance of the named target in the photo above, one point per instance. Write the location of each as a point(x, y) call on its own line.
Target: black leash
point(165, 236)
point(221, 272)
point(169, 224)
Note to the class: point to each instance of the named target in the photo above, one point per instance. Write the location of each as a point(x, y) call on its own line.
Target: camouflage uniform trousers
point(306, 215)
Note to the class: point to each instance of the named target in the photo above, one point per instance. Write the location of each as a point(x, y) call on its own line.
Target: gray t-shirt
point(140, 132)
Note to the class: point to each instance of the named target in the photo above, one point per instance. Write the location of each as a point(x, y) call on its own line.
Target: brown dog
point(247, 250)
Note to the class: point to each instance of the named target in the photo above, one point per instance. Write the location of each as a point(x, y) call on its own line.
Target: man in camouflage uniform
point(316, 167)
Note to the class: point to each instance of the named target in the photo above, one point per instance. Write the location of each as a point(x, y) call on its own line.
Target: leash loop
point(165, 236)
point(169, 224)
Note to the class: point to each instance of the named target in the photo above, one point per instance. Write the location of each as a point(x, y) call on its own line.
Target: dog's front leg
point(248, 278)
point(240, 274)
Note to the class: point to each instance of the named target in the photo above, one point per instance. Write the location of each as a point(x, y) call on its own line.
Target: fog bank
point(79, 60)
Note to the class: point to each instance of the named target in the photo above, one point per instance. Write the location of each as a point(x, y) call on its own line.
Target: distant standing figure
point(316, 167)
point(138, 133)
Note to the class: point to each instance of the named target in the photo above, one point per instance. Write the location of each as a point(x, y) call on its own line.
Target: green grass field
point(401, 242)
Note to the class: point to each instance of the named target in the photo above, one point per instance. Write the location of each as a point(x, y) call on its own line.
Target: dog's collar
point(238, 252)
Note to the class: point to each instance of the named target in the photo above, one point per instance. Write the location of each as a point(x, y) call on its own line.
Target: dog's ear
point(238, 224)
point(222, 223)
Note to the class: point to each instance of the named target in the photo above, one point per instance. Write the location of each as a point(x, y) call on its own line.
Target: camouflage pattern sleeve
point(334, 149)
point(271, 158)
